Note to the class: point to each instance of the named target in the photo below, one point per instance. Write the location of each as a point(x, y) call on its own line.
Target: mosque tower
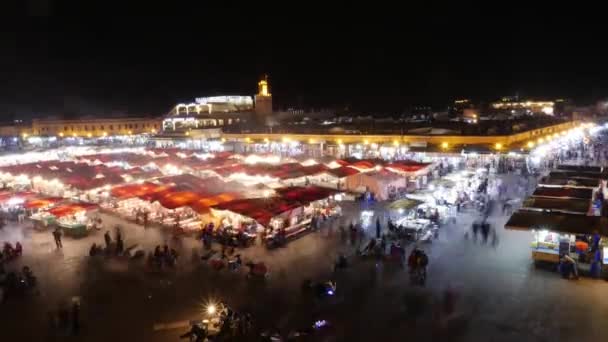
point(263, 99)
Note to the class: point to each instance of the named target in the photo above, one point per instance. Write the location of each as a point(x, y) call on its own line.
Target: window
point(65, 128)
point(135, 125)
point(86, 128)
point(101, 127)
point(111, 127)
point(155, 125)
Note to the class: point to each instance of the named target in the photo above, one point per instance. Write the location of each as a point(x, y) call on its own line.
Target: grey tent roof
point(558, 222)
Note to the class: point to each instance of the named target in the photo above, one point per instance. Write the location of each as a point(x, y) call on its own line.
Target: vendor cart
point(75, 230)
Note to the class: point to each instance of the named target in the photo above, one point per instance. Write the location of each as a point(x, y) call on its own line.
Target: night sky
point(114, 59)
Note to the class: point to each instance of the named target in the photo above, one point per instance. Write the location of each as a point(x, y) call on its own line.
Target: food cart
point(43, 219)
point(555, 234)
point(415, 229)
point(72, 217)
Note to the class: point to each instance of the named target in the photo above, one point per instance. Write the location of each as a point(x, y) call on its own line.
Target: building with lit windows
point(217, 111)
point(94, 127)
point(517, 106)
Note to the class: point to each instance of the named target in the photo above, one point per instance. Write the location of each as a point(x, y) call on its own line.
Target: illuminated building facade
point(95, 127)
point(524, 107)
point(217, 111)
point(263, 100)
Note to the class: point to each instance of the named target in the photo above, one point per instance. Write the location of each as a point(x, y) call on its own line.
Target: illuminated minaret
point(263, 99)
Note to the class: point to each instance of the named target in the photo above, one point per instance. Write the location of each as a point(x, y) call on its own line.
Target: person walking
point(107, 239)
point(75, 318)
point(378, 228)
point(57, 236)
point(120, 247)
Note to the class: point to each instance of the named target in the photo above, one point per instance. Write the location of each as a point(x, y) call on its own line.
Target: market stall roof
point(342, 171)
point(261, 210)
point(582, 193)
point(363, 165)
point(574, 182)
point(8, 195)
point(136, 190)
point(71, 208)
point(36, 203)
point(407, 166)
point(405, 204)
point(580, 168)
point(570, 205)
point(558, 222)
point(305, 194)
point(203, 205)
point(578, 174)
point(178, 199)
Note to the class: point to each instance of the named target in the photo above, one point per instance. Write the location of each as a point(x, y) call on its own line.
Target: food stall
point(554, 234)
point(415, 229)
point(72, 217)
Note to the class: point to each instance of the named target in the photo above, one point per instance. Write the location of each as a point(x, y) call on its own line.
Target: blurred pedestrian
point(75, 318)
point(378, 228)
point(107, 239)
point(485, 231)
point(57, 237)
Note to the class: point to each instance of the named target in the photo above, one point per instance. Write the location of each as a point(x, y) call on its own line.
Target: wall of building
point(95, 127)
point(450, 140)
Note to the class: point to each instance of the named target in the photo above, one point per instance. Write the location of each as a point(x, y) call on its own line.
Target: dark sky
point(111, 58)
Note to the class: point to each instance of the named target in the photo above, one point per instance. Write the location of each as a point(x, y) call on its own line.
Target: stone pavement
point(502, 297)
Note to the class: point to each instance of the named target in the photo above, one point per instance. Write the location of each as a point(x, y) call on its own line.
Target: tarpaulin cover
point(202, 205)
point(558, 222)
point(407, 166)
point(581, 182)
point(36, 203)
point(573, 205)
point(173, 200)
point(261, 210)
point(71, 208)
point(580, 168)
point(136, 190)
point(578, 174)
point(342, 171)
point(305, 194)
point(24, 195)
point(581, 193)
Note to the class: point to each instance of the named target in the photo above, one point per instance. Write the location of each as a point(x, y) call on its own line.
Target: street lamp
point(498, 146)
point(445, 145)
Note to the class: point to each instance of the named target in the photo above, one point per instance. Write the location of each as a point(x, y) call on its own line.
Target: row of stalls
point(46, 211)
point(566, 215)
point(186, 190)
point(89, 177)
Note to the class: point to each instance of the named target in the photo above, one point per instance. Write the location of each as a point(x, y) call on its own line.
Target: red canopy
point(136, 190)
point(71, 208)
point(305, 194)
point(407, 166)
point(343, 171)
point(179, 199)
point(37, 203)
point(261, 210)
point(202, 205)
point(25, 195)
